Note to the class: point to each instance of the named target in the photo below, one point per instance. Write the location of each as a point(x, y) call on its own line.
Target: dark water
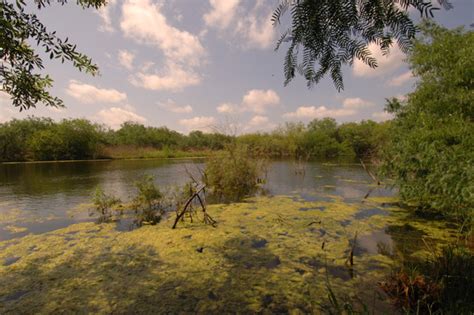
point(42, 196)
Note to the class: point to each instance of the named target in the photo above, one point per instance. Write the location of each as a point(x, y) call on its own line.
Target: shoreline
point(102, 160)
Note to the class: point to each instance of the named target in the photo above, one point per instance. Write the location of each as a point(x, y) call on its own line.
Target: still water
point(40, 197)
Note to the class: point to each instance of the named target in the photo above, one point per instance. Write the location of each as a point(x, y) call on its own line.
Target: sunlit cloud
point(202, 123)
point(258, 101)
point(115, 116)
point(222, 13)
point(259, 123)
point(174, 78)
point(170, 106)
point(386, 64)
point(311, 112)
point(105, 16)
point(125, 59)
point(144, 22)
point(251, 26)
point(382, 116)
point(88, 94)
point(401, 79)
point(227, 108)
point(356, 103)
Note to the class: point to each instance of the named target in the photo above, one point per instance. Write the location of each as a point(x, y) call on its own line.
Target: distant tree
point(333, 33)
point(20, 63)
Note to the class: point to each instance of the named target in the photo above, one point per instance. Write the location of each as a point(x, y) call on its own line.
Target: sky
point(205, 64)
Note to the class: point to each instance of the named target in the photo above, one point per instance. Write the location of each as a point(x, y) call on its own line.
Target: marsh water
point(40, 197)
point(277, 251)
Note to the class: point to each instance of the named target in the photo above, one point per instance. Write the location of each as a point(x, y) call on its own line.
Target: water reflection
point(42, 194)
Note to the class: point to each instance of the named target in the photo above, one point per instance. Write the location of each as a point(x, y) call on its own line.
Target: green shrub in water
point(103, 204)
point(233, 174)
point(148, 202)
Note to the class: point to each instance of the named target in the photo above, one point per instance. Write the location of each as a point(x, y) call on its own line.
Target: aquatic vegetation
point(264, 256)
point(103, 204)
point(148, 201)
point(15, 229)
point(233, 174)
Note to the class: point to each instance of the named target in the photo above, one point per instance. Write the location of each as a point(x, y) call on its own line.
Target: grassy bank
point(131, 152)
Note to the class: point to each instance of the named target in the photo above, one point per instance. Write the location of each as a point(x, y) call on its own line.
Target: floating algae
point(274, 259)
point(15, 229)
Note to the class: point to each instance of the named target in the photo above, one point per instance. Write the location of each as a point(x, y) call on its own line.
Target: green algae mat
point(266, 255)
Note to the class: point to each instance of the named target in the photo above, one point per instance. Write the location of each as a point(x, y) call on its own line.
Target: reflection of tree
point(406, 240)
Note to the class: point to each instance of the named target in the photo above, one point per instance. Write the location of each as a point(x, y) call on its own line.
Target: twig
point(369, 172)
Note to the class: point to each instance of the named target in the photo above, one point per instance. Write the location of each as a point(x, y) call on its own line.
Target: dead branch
point(189, 209)
point(370, 173)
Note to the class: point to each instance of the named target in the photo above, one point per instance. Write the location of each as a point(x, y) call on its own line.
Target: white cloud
point(401, 79)
point(258, 120)
point(126, 58)
point(257, 28)
point(259, 123)
point(115, 116)
point(356, 103)
point(251, 26)
point(171, 106)
point(86, 93)
point(386, 64)
point(144, 22)
point(222, 13)
point(311, 112)
point(173, 78)
point(6, 107)
point(382, 116)
point(104, 13)
point(258, 101)
point(226, 108)
point(202, 123)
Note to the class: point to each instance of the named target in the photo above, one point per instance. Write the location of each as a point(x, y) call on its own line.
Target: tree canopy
point(22, 35)
point(325, 35)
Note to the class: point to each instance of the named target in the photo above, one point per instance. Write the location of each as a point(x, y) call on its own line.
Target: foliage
point(233, 174)
point(147, 203)
point(44, 139)
point(443, 284)
point(15, 136)
point(334, 33)
point(21, 62)
point(430, 154)
point(103, 204)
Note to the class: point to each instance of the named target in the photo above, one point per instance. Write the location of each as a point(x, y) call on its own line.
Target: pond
point(40, 197)
point(274, 253)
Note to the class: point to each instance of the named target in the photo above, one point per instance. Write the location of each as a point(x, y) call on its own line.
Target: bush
point(103, 204)
point(233, 174)
point(443, 284)
point(148, 202)
point(430, 154)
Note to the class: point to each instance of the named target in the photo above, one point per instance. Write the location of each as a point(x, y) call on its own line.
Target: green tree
point(20, 61)
point(15, 135)
point(431, 153)
point(327, 34)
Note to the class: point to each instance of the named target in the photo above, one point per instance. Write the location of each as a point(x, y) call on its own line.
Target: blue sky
point(189, 64)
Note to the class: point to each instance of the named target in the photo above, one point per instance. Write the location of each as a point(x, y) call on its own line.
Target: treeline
point(44, 139)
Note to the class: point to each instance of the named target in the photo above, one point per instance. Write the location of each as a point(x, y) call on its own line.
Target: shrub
point(103, 204)
point(430, 153)
point(233, 174)
point(148, 202)
point(443, 284)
